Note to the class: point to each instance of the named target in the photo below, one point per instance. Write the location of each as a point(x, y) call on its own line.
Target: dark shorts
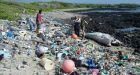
point(38, 26)
point(77, 28)
point(77, 25)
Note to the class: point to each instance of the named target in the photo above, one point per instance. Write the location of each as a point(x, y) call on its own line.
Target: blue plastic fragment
point(90, 63)
point(10, 34)
point(6, 54)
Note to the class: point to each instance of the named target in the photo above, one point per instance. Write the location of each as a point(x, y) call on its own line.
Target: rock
point(24, 63)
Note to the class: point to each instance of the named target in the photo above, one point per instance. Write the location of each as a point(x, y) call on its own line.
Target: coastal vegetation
point(10, 10)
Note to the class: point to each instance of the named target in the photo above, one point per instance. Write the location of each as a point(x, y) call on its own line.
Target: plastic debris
point(68, 66)
point(74, 55)
point(47, 64)
point(6, 53)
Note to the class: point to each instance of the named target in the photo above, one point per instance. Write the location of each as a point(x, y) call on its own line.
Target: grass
point(9, 10)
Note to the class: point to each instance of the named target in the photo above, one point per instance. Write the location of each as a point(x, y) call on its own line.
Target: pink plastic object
point(68, 66)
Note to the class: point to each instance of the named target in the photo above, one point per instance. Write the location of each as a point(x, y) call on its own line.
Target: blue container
point(10, 34)
point(90, 63)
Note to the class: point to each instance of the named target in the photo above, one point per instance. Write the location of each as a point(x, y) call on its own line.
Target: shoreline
point(63, 15)
point(76, 9)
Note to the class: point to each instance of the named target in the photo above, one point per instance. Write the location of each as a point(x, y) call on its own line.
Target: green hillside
point(9, 10)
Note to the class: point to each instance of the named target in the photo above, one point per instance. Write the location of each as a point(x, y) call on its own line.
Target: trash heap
point(57, 51)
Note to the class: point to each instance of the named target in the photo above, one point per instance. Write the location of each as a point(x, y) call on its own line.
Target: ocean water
point(87, 1)
point(109, 10)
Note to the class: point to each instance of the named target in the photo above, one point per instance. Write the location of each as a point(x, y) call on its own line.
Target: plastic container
point(47, 64)
point(90, 63)
point(10, 34)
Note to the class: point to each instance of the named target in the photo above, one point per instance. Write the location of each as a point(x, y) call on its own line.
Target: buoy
point(68, 66)
point(74, 36)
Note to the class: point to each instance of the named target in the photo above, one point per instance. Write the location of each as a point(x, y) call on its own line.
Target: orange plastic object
point(74, 36)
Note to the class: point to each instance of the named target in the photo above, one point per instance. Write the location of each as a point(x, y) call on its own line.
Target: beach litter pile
point(57, 51)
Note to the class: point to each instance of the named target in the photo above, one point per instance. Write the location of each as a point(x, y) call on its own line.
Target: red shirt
point(39, 18)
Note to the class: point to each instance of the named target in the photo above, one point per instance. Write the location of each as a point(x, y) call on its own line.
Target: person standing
point(82, 25)
point(31, 24)
point(39, 20)
point(77, 22)
point(40, 28)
